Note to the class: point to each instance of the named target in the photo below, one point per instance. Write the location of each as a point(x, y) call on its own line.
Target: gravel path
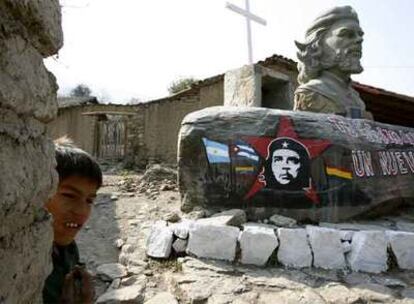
point(126, 208)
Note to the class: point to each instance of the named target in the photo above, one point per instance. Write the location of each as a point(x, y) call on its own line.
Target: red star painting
point(314, 147)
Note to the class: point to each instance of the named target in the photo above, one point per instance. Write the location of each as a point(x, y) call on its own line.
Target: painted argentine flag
point(216, 152)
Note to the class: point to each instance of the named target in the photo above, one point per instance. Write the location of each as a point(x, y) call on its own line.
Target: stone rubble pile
point(227, 236)
point(156, 178)
point(126, 281)
point(127, 184)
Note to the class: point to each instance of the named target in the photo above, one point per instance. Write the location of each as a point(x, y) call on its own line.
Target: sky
point(125, 49)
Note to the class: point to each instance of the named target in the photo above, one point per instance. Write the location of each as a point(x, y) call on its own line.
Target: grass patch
point(171, 264)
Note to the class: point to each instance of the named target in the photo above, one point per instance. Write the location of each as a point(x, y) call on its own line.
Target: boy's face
point(71, 207)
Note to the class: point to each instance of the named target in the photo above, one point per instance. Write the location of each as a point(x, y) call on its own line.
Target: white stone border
point(312, 246)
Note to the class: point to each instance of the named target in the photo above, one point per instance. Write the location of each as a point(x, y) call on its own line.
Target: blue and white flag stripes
point(216, 152)
point(244, 150)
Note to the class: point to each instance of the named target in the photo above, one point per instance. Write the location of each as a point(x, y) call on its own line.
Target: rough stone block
point(159, 242)
point(248, 224)
point(346, 235)
point(129, 294)
point(27, 162)
point(402, 245)
point(355, 226)
point(335, 293)
point(111, 271)
point(235, 217)
point(162, 298)
point(217, 242)
point(28, 256)
point(26, 86)
point(282, 221)
point(182, 228)
point(242, 87)
point(27, 180)
point(180, 245)
point(369, 252)
point(40, 23)
point(257, 244)
point(294, 248)
point(328, 252)
point(346, 246)
point(405, 226)
point(374, 293)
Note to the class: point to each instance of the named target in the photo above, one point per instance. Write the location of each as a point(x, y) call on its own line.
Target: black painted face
point(287, 165)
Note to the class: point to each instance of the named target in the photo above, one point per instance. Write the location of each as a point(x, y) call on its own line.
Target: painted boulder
point(304, 165)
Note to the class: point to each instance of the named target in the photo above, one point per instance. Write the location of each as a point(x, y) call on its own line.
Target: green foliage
point(134, 101)
point(181, 84)
point(81, 90)
point(166, 264)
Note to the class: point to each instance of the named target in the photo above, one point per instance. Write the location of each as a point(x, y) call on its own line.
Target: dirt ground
point(130, 202)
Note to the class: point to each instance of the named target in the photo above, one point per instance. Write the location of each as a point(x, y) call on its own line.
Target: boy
point(79, 179)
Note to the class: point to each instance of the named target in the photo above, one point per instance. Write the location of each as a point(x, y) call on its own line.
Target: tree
point(181, 84)
point(135, 101)
point(81, 90)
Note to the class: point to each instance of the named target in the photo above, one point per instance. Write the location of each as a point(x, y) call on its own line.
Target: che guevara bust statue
point(330, 54)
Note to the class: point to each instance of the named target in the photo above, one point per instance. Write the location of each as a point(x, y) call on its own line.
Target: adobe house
point(99, 129)
point(153, 133)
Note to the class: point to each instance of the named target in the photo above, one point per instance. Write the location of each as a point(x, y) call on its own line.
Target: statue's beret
point(329, 17)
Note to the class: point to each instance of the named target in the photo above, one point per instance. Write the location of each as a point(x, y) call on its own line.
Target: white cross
point(249, 16)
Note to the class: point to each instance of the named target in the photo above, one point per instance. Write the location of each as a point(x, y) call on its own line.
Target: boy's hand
point(78, 287)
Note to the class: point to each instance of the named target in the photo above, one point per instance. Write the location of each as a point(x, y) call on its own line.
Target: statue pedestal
point(298, 164)
point(257, 86)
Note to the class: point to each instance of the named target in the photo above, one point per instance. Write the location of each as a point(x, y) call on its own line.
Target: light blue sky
point(135, 48)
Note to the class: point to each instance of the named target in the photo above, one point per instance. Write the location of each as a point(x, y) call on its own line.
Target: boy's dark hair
point(72, 161)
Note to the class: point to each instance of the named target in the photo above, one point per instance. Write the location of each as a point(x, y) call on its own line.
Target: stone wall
point(158, 122)
point(29, 31)
point(154, 131)
point(136, 151)
point(82, 128)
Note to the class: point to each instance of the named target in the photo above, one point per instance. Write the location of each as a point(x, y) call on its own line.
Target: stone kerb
point(402, 246)
point(160, 240)
point(294, 249)
point(216, 242)
point(299, 247)
point(328, 252)
point(257, 244)
point(368, 252)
